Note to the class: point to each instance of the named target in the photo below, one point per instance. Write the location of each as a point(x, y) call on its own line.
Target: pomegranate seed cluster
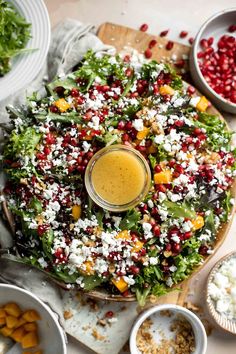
point(144, 105)
point(218, 65)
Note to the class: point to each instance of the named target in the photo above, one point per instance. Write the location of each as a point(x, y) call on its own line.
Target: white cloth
point(70, 41)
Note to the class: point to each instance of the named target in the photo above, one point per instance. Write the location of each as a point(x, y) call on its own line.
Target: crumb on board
point(182, 343)
point(193, 307)
point(67, 314)
point(97, 335)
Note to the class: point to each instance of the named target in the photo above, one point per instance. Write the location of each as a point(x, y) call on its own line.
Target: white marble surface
point(159, 14)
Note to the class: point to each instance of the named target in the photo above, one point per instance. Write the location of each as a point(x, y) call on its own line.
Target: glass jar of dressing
point(117, 178)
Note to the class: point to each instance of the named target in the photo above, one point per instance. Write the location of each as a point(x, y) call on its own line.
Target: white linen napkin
point(70, 41)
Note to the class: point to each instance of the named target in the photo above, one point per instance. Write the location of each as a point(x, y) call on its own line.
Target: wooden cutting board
point(123, 37)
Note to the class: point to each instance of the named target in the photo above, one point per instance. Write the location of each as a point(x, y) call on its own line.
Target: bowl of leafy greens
point(24, 43)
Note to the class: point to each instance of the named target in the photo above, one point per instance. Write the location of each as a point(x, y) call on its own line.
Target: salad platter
point(159, 243)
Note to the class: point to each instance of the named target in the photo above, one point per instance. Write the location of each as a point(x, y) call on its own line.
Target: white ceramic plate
point(25, 67)
point(51, 336)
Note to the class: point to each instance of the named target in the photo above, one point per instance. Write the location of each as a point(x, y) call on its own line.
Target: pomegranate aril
point(191, 40)
point(164, 33)
point(232, 28)
point(148, 53)
point(143, 27)
point(169, 45)
point(152, 43)
point(180, 63)
point(203, 43)
point(183, 34)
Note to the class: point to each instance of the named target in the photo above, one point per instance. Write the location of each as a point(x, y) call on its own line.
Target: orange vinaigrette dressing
point(118, 177)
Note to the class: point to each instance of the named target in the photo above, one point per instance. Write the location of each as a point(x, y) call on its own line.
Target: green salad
point(14, 35)
point(142, 104)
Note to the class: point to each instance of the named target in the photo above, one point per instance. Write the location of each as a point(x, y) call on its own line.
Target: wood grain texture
point(123, 37)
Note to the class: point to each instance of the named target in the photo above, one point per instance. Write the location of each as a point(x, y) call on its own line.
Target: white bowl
point(214, 27)
point(162, 323)
point(222, 321)
point(25, 67)
point(51, 335)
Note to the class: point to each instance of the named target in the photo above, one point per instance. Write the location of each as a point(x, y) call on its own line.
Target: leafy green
point(177, 82)
point(217, 134)
point(63, 118)
point(47, 241)
point(185, 265)
point(130, 220)
point(36, 205)
point(179, 210)
point(152, 160)
point(227, 206)
point(23, 143)
point(91, 282)
point(14, 35)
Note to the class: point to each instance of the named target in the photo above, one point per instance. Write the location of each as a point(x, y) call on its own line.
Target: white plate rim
point(27, 66)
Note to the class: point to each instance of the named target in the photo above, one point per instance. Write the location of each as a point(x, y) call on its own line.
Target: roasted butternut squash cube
point(142, 133)
point(202, 104)
point(12, 309)
point(87, 268)
point(198, 223)
point(30, 340)
point(30, 327)
point(152, 149)
point(11, 321)
point(166, 90)
point(18, 334)
point(31, 316)
point(21, 322)
point(2, 321)
point(124, 234)
point(163, 177)
point(121, 284)
point(62, 105)
point(2, 313)
point(138, 245)
point(76, 212)
point(5, 331)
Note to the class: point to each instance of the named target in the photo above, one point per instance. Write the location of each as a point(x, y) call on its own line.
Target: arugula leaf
point(14, 35)
point(185, 265)
point(179, 210)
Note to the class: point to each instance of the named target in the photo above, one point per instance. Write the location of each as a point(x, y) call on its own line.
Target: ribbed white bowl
point(222, 321)
point(25, 67)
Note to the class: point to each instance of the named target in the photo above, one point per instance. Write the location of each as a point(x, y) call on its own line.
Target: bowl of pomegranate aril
point(213, 59)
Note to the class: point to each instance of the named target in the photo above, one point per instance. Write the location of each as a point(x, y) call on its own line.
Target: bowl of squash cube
point(26, 320)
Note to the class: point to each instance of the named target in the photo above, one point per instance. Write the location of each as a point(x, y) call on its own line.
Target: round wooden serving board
point(123, 38)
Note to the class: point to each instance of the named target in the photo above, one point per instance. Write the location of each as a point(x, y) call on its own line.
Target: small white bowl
point(215, 27)
point(51, 335)
point(163, 325)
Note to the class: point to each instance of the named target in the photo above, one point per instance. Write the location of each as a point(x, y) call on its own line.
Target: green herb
point(179, 210)
point(129, 222)
point(14, 35)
